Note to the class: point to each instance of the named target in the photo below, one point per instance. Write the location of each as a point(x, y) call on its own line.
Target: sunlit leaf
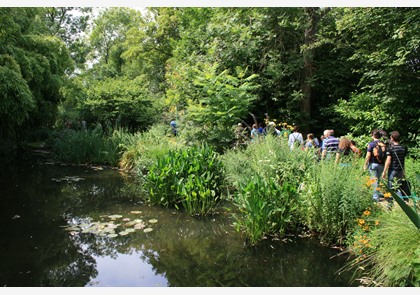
point(147, 230)
point(115, 216)
point(135, 212)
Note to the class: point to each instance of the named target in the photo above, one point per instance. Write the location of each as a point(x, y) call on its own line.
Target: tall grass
point(333, 196)
point(142, 149)
point(88, 147)
point(265, 178)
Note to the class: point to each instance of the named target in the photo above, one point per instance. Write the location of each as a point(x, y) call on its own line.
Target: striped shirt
point(331, 144)
point(397, 153)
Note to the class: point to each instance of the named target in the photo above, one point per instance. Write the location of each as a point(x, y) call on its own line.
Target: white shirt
point(293, 137)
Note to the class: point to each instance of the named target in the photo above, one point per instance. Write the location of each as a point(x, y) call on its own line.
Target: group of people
point(391, 167)
point(342, 150)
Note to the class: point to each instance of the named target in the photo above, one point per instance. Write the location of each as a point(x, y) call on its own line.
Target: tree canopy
point(350, 69)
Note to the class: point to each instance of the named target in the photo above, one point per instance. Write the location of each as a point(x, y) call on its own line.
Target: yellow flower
point(367, 213)
point(387, 195)
point(361, 221)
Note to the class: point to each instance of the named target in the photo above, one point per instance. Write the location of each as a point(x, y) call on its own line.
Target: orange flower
point(387, 195)
point(367, 213)
point(376, 222)
point(361, 221)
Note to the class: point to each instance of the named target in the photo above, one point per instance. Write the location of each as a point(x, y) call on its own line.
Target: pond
point(72, 226)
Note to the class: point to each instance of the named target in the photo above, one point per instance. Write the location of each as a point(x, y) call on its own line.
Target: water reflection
point(35, 249)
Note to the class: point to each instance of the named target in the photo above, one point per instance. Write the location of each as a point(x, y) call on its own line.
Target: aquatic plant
point(190, 177)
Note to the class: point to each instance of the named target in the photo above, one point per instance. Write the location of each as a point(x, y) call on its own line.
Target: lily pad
point(153, 220)
point(147, 230)
point(115, 216)
point(139, 226)
point(130, 223)
point(126, 219)
point(112, 235)
point(124, 233)
point(135, 212)
point(111, 225)
point(130, 230)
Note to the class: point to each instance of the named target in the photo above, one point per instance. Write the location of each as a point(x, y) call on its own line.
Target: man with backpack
point(375, 161)
point(295, 138)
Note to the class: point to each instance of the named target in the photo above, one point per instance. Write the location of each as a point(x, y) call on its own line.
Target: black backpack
point(379, 152)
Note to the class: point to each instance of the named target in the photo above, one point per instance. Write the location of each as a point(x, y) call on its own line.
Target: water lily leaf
point(124, 233)
point(139, 226)
point(115, 216)
point(153, 220)
point(112, 235)
point(130, 230)
point(138, 220)
point(111, 225)
point(126, 219)
point(135, 212)
point(131, 223)
point(147, 230)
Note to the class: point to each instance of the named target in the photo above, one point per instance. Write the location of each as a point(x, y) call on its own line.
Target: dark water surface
point(36, 249)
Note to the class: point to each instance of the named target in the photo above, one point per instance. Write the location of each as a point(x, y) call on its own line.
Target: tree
point(33, 64)
point(107, 39)
point(385, 42)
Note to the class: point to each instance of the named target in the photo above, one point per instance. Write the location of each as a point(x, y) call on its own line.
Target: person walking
point(330, 145)
point(254, 133)
point(394, 165)
point(373, 164)
point(295, 138)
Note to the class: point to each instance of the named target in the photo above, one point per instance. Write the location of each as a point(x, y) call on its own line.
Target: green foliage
point(264, 207)
point(219, 102)
point(190, 177)
point(33, 64)
point(142, 149)
point(388, 255)
point(16, 100)
point(385, 44)
point(125, 103)
point(264, 178)
point(88, 147)
point(333, 196)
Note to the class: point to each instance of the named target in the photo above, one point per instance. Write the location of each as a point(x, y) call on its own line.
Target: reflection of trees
point(199, 254)
point(187, 251)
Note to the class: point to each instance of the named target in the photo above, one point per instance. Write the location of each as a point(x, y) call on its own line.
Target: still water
point(40, 200)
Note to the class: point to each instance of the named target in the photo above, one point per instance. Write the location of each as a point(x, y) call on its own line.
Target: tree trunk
point(314, 16)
